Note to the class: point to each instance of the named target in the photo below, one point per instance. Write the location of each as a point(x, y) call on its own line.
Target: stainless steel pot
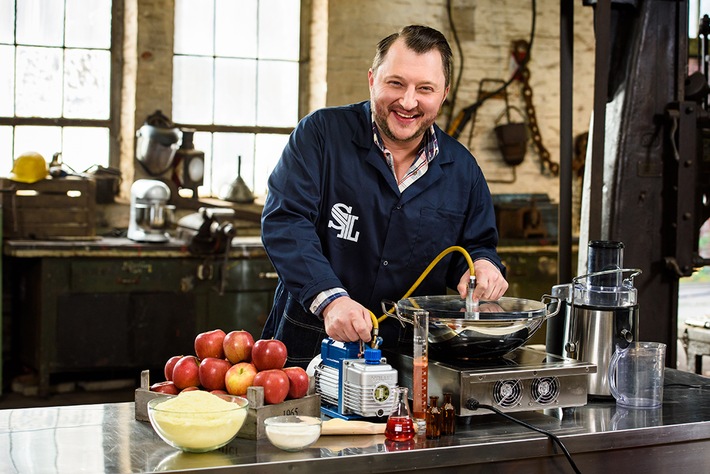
point(493, 330)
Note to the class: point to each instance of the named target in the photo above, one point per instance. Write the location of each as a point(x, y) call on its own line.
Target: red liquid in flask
point(399, 428)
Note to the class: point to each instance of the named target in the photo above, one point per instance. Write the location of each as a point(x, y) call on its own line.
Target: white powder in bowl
point(197, 420)
point(293, 433)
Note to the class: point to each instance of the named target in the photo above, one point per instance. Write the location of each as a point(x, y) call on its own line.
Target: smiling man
point(366, 195)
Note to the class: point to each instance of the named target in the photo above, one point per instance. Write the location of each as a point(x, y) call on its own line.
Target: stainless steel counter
point(599, 436)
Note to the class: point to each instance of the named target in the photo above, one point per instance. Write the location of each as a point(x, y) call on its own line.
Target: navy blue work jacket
point(334, 217)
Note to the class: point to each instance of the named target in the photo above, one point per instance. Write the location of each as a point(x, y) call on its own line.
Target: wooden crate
point(257, 412)
point(49, 208)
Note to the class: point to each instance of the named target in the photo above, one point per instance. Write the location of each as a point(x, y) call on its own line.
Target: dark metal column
point(602, 20)
point(564, 270)
point(555, 326)
point(652, 72)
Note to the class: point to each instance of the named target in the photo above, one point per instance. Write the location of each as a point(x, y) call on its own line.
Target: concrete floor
point(22, 393)
point(78, 397)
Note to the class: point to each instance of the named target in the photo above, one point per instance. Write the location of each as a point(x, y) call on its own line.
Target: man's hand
point(490, 284)
point(347, 320)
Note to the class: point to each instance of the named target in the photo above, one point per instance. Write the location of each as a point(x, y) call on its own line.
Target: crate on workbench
point(49, 208)
point(257, 411)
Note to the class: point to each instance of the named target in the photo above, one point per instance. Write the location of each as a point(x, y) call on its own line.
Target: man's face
point(406, 93)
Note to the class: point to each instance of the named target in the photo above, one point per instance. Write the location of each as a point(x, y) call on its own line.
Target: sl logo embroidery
point(344, 221)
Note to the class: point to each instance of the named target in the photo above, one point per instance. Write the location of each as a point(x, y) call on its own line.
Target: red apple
point(268, 354)
point(237, 346)
point(165, 387)
point(239, 377)
point(169, 366)
point(189, 389)
point(186, 372)
point(298, 382)
point(209, 344)
point(219, 392)
point(275, 383)
point(212, 372)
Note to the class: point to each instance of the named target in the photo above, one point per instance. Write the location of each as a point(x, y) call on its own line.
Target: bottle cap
point(372, 356)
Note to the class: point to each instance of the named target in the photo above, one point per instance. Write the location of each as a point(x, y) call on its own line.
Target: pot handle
point(553, 299)
point(388, 307)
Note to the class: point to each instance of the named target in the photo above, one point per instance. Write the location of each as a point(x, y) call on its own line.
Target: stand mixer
point(150, 215)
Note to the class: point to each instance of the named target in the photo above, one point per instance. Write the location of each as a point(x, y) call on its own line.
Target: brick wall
point(344, 34)
point(486, 31)
point(147, 75)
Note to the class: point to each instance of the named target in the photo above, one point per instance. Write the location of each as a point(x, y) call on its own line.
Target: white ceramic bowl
point(199, 429)
point(292, 432)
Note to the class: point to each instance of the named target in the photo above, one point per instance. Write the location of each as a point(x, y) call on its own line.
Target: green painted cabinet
point(102, 314)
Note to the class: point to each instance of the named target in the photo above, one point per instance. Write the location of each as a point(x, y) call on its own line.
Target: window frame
point(301, 100)
point(115, 88)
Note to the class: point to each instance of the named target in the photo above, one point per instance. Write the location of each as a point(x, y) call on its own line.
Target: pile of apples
point(230, 363)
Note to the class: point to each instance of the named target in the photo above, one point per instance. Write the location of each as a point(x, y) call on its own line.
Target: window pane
point(279, 29)
point(7, 81)
point(7, 21)
point(86, 84)
point(40, 22)
point(278, 94)
point(227, 148)
point(268, 151)
point(44, 140)
point(235, 92)
point(194, 27)
point(6, 155)
point(86, 24)
point(240, 41)
point(85, 147)
point(39, 82)
point(192, 90)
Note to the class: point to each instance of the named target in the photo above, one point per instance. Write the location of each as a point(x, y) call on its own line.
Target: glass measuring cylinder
point(420, 364)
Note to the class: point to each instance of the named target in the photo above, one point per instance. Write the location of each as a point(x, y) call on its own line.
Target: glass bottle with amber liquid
point(433, 419)
point(448, 416)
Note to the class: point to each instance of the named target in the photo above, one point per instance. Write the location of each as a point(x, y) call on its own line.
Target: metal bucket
point(493, 330)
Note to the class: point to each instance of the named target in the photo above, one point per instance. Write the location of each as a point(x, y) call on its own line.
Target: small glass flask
point(400, 426)
point(433, 419)
point(448, 416)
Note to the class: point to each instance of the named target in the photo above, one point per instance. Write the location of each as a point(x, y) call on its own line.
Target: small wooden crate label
point(257, 412)
point(49, 208)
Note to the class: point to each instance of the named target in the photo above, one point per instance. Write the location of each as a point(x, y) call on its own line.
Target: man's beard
point(384, 128)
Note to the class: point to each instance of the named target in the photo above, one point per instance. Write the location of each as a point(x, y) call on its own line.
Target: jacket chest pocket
point(438, 230)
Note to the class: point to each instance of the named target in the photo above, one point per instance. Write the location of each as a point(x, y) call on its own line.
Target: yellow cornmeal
point(194, 401)
point(198, 420)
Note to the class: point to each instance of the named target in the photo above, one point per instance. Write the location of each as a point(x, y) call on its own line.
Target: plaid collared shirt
point(420, 165)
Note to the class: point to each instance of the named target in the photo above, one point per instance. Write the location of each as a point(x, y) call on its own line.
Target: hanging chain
point(520, 50)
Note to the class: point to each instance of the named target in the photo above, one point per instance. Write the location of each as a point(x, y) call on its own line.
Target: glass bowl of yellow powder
point(197, 421)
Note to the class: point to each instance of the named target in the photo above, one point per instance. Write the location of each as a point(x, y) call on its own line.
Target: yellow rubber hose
point(454, 248)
